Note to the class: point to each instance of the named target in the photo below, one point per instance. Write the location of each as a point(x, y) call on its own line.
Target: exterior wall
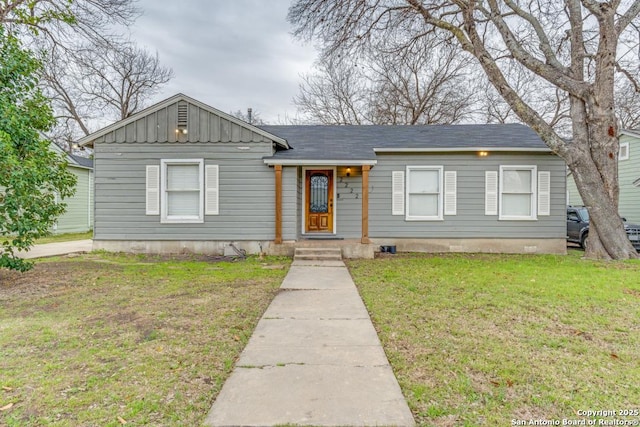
point(470, 221)
point(502, 246)
point(78, 216)
point(348, 203)
point(628, 172)
point(290, 195)
point(246, 192)
point(573, 197)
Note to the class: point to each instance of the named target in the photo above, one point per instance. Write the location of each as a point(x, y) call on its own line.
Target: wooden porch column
point(365, 204)
point(278, 170)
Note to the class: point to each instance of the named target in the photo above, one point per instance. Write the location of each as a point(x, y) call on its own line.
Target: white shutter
point(491, 193)
point(544, 193)
point(397, 193)
point(211, 190)
point(153, 190)
point(450, 192)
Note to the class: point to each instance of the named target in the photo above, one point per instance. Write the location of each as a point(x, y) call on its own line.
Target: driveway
point(55, 249)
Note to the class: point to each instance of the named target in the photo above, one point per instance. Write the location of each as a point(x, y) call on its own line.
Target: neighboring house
point(78, 216)
point(183, 176)
point(628, 178)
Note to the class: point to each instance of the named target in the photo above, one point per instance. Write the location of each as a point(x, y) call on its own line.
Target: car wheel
point(584, 240)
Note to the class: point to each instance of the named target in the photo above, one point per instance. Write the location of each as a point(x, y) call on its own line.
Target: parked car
point(578, 227)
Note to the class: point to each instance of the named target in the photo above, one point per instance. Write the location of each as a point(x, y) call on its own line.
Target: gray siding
point(348, 203)
point(161, 126)
point(246, 192)
point(573, 197)
point(77, 217)
point(290, 203)
point(470, 221)
point(628, 172)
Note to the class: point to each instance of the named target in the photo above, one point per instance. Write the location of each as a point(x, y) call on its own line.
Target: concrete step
point(318, 254)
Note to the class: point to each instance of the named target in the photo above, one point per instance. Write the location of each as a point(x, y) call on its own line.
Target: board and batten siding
point(78, 215)
point(161, 125)
point(246, 192)
point(470, 220)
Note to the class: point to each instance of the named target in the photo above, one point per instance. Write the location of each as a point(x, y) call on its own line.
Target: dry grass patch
point(487, 339)
point(105, 339)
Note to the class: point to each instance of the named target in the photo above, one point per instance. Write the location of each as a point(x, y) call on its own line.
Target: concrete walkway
point(314, 359)
point(55, 249)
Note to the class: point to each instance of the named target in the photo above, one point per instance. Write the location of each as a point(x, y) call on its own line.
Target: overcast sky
point(230, 54)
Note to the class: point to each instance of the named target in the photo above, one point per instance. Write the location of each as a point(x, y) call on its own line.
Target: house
point(628, 178)
point(78, 217)
point(183, 176)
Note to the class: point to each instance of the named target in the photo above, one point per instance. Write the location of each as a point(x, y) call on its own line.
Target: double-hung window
point(182, 191)
point(424, 193)
point(518, 192)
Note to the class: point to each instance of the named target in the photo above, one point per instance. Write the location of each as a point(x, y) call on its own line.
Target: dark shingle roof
point(358, 142)
point(82, 161)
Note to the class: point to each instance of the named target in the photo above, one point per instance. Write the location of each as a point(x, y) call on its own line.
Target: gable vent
point(183, 114)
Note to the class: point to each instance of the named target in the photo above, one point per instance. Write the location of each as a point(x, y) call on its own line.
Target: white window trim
point(534, 193)
point(624, 148)
point(166, 219)
point(439, 217)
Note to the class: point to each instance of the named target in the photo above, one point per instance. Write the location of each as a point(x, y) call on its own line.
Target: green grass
point(102, 338)
point(481, 340)
point(67, 237)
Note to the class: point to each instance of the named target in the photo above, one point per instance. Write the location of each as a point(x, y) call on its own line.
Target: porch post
point(278, 170)
point(365, 204)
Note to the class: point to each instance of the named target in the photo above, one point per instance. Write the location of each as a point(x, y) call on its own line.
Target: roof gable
point(181, 119)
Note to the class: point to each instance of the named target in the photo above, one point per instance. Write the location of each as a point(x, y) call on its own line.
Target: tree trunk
point(607, 237)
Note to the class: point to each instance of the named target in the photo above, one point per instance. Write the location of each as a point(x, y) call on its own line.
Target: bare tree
point(550, 102)
point(424, 83)
point(61, 23)
point(100, 82)
point(386, 85)
point(337, 94)
point(571, 45)
point(251, 116)
point(628, 105)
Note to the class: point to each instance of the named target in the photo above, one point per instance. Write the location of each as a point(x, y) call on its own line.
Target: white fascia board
point(630, 132)
point(315, 162)
point(461, 149)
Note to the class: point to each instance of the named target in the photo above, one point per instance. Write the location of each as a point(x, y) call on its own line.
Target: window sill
point(423, 218)
point(182, 221)
point(517, 218)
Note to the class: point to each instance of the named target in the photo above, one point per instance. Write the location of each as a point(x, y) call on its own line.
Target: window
point(517, 192)
point(181, 189)
point(623, 154)
point(424, 193)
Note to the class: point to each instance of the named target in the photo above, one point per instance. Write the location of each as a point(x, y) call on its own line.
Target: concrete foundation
point(351, 248)
point(502, 246)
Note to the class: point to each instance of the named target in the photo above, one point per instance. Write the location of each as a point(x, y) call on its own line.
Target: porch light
point(348, 171)
point(483, 153)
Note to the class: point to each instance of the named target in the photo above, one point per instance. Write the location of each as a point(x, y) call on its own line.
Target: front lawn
point(497, 339)
point(104, 340)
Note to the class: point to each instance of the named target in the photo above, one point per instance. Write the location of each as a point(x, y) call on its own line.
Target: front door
point(319, 201)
